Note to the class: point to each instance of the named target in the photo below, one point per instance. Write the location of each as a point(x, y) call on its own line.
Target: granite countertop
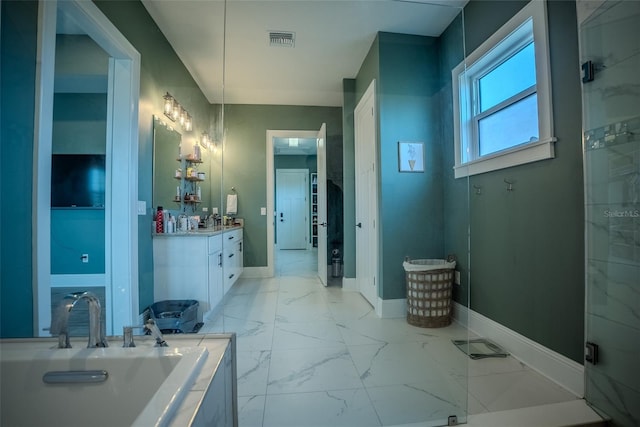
point(212, 231)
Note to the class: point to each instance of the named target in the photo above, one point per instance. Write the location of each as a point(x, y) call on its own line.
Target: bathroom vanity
point(201, 265)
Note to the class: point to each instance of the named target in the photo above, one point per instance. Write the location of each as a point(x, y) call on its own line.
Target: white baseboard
point(391, 308)
point(349, 284)
point(256, 273)
point(558, 368)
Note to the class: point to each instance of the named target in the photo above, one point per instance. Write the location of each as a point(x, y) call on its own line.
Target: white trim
point(350, 284)
point(532, 152)
point(391, 308)
point(77, 280)
point(256, 273)
point(42, 149)
point(558, 368)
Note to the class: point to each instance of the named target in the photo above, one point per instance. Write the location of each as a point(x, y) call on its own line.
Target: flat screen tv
point(77, 180)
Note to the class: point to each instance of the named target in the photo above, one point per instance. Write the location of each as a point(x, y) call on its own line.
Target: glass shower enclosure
point(610, 58)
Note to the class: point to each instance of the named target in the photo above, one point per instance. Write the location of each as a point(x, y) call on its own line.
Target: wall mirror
point(181, 186)
point(166, 147)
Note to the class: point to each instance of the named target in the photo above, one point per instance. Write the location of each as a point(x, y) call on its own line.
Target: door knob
point(359, 225)
point(324, 224)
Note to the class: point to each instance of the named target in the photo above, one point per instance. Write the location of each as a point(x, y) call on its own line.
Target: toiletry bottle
point(159, 221)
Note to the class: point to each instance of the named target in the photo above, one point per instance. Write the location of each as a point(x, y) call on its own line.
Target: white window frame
point(503, 43)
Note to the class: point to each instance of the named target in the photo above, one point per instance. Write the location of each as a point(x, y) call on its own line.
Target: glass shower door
point(610, 54)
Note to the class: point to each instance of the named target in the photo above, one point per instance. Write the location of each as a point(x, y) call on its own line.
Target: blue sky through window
point(509, 78)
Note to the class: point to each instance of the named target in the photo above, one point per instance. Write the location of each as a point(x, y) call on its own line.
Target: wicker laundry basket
point(429, 284)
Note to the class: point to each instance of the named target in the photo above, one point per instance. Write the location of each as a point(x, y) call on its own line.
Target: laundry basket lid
point(428, 264)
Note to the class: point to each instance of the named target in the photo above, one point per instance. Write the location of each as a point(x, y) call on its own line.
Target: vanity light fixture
point(183, 116)
point(168, 106)
point(175, 112)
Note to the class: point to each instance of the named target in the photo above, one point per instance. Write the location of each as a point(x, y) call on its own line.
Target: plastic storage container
point(429, 286)
point(175, 315)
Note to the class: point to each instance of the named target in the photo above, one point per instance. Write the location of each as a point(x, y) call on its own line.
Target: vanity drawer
point(214, 244)
point(232, 236)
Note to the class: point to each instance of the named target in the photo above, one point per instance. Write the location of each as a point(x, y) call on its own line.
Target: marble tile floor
point(310, 355)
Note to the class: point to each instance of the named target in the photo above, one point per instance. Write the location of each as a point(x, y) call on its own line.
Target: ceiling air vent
point(282, 38)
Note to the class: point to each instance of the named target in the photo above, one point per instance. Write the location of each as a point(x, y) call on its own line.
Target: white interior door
point(322, 203)
point(292, 208)
point(366, 196)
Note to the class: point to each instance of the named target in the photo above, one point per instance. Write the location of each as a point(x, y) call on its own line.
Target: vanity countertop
point(200, 232)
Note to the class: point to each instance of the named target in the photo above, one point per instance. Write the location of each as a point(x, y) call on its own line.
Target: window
point(502, 97)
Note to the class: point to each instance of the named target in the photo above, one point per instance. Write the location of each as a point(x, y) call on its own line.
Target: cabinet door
point(239, 258)
point(215, 280)
point(230, 257)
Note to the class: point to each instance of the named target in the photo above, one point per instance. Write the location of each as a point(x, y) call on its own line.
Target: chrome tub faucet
point(60, 321)
point(127, 334)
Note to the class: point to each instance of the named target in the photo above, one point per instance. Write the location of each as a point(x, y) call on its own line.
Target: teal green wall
point(17, 94)
point(455, 191)
point(349, 181)
point(75, 232)
point(410, 204)
point(161, 71)
point(245, 162)
point(527, 246)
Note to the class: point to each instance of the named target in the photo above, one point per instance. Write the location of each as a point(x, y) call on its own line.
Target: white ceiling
point(332, 40)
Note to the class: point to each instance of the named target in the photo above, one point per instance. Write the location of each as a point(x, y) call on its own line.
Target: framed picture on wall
point(410, 156)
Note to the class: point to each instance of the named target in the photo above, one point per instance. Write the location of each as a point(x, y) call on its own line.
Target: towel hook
point(478, 189)
point(510, 187)
point(233, 189)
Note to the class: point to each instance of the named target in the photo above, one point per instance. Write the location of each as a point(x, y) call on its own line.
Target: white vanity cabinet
point(232, 254)
point(215, 271)
point(201, 266)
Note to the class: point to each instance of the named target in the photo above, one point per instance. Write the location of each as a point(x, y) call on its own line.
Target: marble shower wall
point(610, 38)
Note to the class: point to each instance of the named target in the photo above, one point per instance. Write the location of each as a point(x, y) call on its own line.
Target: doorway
point(120, 276)
point(292, 208)
point(286, 144)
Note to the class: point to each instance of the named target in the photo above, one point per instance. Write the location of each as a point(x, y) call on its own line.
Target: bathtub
point(143, 386)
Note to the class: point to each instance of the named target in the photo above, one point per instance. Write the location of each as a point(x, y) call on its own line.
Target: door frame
point(121, 222)
point(306, 198)
point(271, 213)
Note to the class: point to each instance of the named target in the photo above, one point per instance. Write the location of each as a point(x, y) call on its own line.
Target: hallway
point(315, 356)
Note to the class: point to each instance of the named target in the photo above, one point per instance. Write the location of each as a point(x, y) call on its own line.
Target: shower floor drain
point(480, 348)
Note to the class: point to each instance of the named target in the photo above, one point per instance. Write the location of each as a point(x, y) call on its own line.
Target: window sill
point(515, 156)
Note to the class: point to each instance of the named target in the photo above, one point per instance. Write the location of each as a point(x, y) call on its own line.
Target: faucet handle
point(156, 333)
point(127, 336)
